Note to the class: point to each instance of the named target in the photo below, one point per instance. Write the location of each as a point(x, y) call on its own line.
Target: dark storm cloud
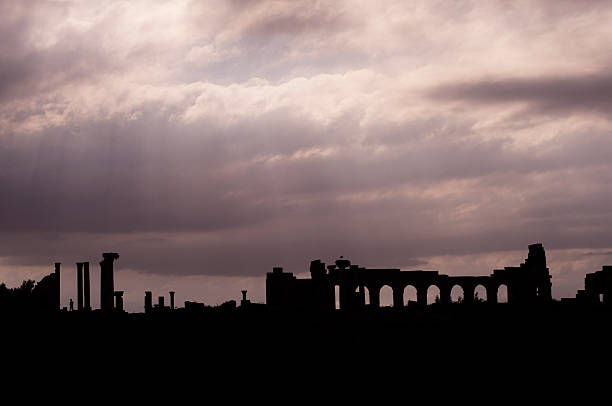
point(575, 93)
point(244, 184)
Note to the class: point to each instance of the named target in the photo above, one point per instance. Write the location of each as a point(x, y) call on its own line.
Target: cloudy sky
point(207, 141)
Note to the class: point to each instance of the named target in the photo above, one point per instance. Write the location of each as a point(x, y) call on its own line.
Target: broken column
point(171, 300)
point(107, 286)
point(79, 286)
point(86, 291)
point(148, 302)
point(161, 303)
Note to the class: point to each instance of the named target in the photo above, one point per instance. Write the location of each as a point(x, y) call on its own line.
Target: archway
point(480, 294)
point(410, 295)
point(502, 294)
point(433, 294)
point(366, 294)
point(457, 294)
point(386, 296)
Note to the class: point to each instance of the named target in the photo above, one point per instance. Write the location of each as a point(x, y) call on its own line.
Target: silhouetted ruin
point(597, 287)
point(342, 285)
point(528, 283)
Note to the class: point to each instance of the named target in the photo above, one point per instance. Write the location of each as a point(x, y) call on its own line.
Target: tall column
point(172, 299)
point(148, 302)
point(86, 286)
point(107, 286)
point(79, 286)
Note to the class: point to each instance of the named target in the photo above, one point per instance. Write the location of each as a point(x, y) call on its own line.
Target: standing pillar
point(398, 296)
point(79, 286)
point(161, 303)
point(148, 302)
point(172, 299)
point(422, 295)
point(86, 286)
point(107, 286)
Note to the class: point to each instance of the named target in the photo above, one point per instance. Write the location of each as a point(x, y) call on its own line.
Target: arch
point(480, 294)
point(366, 294)
point(386, 296)
point(410, 295)
point(433, 294)
point(457, 294)
point(502, 293)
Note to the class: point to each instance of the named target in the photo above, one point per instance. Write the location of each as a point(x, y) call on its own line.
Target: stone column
point(148, 302)
point(422, 294)
point(398, 296)
point(107, 285)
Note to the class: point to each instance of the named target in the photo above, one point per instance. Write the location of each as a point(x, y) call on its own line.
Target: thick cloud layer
point(222, 138)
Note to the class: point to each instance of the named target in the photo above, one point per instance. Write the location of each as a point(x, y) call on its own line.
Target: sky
point(208, 141)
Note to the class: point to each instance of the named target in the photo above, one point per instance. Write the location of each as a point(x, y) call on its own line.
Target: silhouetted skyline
point(340, 286)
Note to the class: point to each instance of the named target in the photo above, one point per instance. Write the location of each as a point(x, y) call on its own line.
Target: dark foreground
point(436, 329)
point(411, 349)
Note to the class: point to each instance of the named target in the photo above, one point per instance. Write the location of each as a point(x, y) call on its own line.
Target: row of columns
point(109, 298)
point(161, 301)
